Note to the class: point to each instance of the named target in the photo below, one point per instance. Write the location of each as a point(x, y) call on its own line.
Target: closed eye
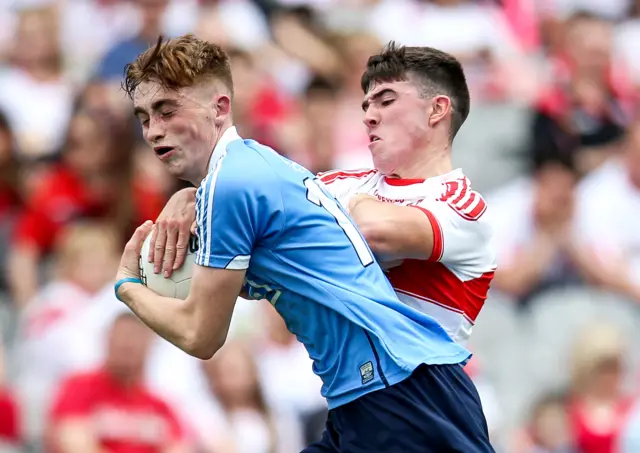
point(387, 102)
point(168, 114)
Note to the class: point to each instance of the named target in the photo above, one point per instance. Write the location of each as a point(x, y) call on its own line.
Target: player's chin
point(174, 167)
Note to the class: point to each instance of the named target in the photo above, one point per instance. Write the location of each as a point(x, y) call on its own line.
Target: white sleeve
point(462, 235)
point(343, 185)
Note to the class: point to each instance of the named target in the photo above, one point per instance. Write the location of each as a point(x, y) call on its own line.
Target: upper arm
point(236, 209)
point(212, 298)
point(235, 212)
point(460, 235)
point(394, 232)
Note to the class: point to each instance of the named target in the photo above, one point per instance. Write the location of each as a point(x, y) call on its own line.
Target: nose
point(371, 117)
point(155, 132)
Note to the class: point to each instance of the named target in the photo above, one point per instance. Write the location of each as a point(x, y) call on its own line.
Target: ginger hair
point(179, 63)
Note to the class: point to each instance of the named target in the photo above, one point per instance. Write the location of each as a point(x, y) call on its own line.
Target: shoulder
point(242, 166)
point(83, 386)
point(457, 195)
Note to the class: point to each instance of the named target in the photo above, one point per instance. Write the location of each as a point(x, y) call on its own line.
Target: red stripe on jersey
point(468, 203)
point(402, 182)
point(331, 176)
point(435, 283)
point(452, 188)
point(477, 212)
point(463, 192)
point(468, 198)
point(438, 238)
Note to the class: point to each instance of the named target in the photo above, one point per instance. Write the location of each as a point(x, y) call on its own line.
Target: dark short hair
point(321, 86)
point(178, 63)
point(437, 72)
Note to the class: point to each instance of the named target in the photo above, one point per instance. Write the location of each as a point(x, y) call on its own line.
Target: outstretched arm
point(393, 232)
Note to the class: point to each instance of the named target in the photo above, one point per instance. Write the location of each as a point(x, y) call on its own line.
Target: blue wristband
point(123, 281)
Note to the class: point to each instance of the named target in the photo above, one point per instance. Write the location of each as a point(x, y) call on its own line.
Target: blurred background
point(552, 141)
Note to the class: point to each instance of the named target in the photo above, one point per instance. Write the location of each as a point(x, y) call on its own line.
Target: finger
point(152, 244)
point(137, 240)
point(142, 233)
point(161, 241)
point(194, 227)
point(170, 248)
point(181, 248)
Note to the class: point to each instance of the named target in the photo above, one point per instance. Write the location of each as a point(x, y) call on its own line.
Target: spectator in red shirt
point(589, 99)
point(599, 406)
point(10, 434)
point(93, 180)
point(110, 410)
point(547, 430)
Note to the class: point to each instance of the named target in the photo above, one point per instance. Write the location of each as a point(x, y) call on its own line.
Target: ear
point(440, 110)
point(222, 108)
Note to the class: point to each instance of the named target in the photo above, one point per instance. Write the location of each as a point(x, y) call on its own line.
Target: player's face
point(397, 122)
point(128, 345)
point(182, 126)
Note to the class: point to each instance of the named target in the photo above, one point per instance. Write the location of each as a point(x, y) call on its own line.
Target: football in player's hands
point(179, 283)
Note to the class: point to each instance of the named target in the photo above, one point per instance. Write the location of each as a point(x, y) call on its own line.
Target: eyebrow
point(157, 105)
point(378, 95)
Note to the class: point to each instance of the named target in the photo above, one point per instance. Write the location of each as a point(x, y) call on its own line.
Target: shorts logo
point(366, 372)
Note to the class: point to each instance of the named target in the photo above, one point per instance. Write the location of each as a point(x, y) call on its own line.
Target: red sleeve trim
point(335, 175)
point(438, 238)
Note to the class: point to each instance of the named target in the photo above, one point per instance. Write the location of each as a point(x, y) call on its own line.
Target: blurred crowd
point(552, 141)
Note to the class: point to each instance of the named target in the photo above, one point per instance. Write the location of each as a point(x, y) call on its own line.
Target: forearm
point(174, 320)
point(391, 231)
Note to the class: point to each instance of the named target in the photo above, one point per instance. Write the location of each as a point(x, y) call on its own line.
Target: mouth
point(373, 138)
point(163, 151)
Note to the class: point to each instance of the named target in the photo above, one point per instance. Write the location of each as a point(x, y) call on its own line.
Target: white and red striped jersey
point(452, 285)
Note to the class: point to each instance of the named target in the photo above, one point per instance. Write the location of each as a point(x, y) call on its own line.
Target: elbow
point(200, 346)
point(384, 242)
point(375, 236)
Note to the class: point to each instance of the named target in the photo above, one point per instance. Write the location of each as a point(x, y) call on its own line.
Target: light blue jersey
point(261, 212)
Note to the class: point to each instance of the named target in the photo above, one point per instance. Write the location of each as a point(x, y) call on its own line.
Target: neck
point(128, 380)
point(212, 147)
point(433, 162)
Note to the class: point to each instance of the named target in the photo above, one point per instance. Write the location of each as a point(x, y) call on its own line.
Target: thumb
point(194, 227)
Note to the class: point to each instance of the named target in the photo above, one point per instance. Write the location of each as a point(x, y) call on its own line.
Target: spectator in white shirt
point(607, 219)
point(531, 218)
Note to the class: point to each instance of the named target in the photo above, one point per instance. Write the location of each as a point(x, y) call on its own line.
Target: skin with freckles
point(183, 125)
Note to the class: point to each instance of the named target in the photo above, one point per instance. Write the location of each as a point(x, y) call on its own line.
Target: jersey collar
point(219, 150)
point(435, 180)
